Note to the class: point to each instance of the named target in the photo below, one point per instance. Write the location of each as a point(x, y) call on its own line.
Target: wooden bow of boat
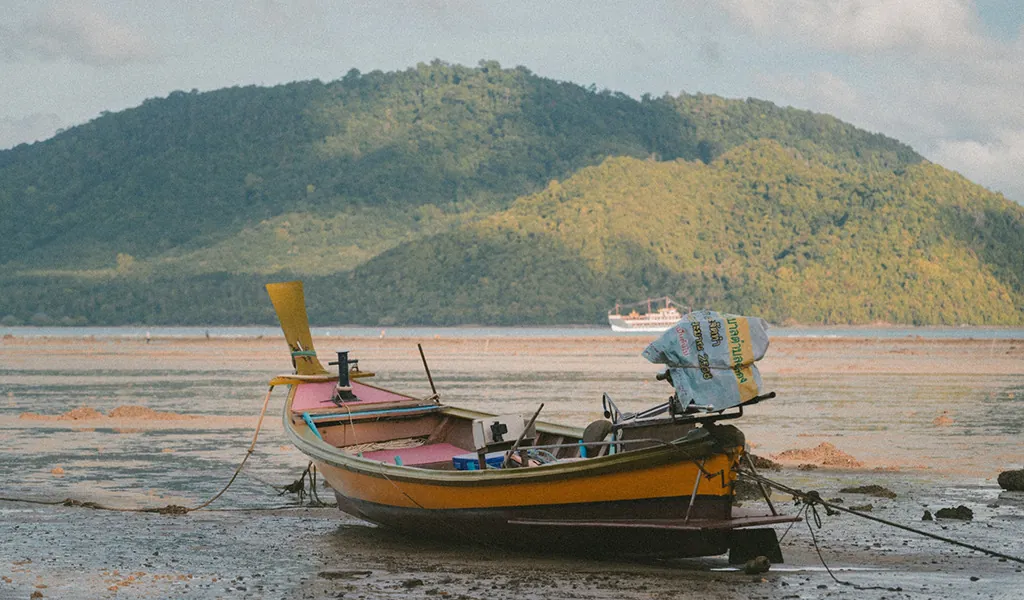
point(664, 488)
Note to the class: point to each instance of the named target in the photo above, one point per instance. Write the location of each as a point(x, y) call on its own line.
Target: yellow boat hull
point(682, 492)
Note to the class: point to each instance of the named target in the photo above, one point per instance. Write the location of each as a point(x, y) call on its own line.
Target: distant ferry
point(655, 319)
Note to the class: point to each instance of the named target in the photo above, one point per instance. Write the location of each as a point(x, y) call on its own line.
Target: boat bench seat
point(420, 455)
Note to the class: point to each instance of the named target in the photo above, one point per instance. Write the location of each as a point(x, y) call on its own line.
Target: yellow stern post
point(290, 304)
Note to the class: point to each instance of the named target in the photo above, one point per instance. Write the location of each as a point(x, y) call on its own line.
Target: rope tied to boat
point(810, 506)
point(298, 487)
point(812, 499)
point(248, 453)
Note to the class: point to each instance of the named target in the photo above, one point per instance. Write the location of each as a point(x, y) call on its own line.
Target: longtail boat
point(656, 483)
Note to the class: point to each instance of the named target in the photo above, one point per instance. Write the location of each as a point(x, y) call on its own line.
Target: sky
point(944, 76)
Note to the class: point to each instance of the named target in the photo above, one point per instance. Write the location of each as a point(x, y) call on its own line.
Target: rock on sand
point(960, 512)
point(870, 490)
point(1012, 480)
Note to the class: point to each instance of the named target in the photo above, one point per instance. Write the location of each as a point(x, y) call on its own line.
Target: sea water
point(255, 331)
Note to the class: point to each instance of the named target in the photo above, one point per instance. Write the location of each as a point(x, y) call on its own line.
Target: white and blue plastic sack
point(710, 357)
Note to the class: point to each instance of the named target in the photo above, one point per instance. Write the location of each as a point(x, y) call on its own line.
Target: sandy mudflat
point(932, 420)
point(785, 355)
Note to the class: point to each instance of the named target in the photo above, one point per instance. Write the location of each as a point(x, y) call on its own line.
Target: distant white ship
point(657, 318)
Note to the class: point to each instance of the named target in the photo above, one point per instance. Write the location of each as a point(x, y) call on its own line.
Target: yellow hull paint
point(642, 475)
point(671, 480)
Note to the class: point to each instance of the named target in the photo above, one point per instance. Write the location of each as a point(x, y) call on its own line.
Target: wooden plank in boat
point(418, 455)
point(357, 413)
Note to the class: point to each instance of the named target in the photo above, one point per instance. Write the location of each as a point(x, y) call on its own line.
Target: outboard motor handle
point(610, 410)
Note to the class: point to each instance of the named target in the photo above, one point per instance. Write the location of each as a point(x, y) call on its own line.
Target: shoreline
point(200, 332)
point(787, 355)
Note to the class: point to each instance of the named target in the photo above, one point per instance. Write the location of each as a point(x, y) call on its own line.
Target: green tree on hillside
point(448, 194)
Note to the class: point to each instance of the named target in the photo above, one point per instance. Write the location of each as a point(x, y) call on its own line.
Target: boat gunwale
point(645, 458)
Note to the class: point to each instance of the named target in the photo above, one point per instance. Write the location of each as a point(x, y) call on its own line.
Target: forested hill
point(402, 188)
point(192, 171)
point(762, 230)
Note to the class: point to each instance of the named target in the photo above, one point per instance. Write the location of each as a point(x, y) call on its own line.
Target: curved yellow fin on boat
point(290, 304)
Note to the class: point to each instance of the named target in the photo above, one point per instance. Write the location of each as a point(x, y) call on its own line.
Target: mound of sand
point(84, 413)
point(824, 454)
point(141, 412)
point(81, 413)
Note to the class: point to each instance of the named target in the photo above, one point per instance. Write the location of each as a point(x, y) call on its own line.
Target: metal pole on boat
point(343, 391)
point(693, 495)
point(760, 484)
point(522, 436)
point(433, 389)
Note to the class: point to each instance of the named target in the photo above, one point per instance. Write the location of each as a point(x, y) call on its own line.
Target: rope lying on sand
point(812, 498)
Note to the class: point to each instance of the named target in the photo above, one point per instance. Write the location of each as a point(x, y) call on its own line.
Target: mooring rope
point(812, 498)
point(298, 487)
point(170, 509)
point(248, 453)
point(811, 508)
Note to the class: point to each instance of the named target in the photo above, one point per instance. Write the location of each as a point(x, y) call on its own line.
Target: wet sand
point(932, 420)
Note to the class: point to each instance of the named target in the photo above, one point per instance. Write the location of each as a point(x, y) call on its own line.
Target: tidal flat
point(933, 420)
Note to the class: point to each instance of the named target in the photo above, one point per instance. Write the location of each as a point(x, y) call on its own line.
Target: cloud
point(710, 51)
point(865, 25)
point(922, 71)
point(31, 128)
point(78, 34)
point(973, 127)
point(819, 89)
point(996, 164)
